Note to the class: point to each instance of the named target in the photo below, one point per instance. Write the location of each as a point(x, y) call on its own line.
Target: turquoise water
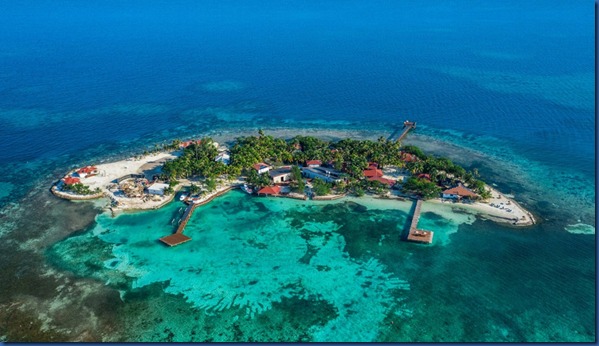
point(255, 260)
point(504, 87)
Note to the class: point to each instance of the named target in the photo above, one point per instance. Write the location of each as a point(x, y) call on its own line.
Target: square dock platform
point(175, 239)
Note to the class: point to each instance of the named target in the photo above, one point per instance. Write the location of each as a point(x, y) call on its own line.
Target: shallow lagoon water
point(250, 257)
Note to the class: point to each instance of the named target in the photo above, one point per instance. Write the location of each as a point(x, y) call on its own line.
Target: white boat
point(183, 197)
point(247, 189)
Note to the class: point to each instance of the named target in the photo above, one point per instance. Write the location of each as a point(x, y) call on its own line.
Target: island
point(301, 167)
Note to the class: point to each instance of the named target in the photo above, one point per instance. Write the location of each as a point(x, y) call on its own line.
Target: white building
point(157, 189)
point(280, 175)
point(224, 158)
point(261, 167)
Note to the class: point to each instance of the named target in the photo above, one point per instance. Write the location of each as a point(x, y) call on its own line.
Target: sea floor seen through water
point(272, 269)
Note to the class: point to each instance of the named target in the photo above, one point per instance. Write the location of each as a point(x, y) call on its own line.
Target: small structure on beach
point(87, 171)
point(157, 189)
point(280, 175)
point(261, 167)
point(270, 191)
point(458, 192)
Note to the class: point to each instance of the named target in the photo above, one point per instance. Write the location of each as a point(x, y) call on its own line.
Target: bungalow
point(270, 190)
point(223, 157)
point(458, 192)
point(369, 173)
point(407, 157)
point(386, 181)
point(261, 167)
point(157, 189)
point(87, 171)
point(281, 174)
point(424, 176)
point(70, 180)
point(313, 163)
point(185, 144)
point(326, 174)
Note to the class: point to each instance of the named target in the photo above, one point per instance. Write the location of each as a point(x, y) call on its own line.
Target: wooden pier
point(178, 237)
point(407, 126)
point(415, 234)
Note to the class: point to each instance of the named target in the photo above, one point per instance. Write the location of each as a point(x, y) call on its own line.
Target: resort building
point(87, 171)
point(369, 173)
point(313, 163)
point(458, 192)
point(261, 167)
point(224, 158)
point(389, 182)
point(185, 144)
point(407, 157)
point(270, 190)
point(157, 189)
point(70, 180)
point(326, 174)
point(280, 175)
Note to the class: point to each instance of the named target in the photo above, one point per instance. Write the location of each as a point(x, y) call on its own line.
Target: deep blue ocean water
point(512, 80)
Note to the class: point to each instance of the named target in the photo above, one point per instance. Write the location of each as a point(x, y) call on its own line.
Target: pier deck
point(408, 125)
point(415, 234)
point(178, 237)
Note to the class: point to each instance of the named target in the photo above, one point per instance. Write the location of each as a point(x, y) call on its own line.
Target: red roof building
point(407, 157)
point(270, 190)
point(389, 182)
point(424, 176)
point(70, 180)
point(261, 167)
point(87, 169)
point(313, 163)
point(188, 143)
point(373, 173)
point(458, 192)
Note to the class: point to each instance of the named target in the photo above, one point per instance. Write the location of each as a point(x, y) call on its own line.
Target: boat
point(183, 197)
point(247, 189)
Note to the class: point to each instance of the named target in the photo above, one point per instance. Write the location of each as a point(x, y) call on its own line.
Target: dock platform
point(178, 237)
point(415, 234)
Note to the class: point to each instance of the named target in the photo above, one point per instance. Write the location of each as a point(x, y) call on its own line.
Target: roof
point(188, 143)
point(407, 157)
point(382, 180)
point(280, 171)
point(460, 190)
point(158, 186)
point(313, 162)
point(86, 169)
point(425, 176)
point(259, 166)
point(373, 173)
point(70, 180)
point(270, 190)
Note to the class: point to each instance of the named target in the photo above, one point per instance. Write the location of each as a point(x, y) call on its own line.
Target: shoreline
point(149, 163)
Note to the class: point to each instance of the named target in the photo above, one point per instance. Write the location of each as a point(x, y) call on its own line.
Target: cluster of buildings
point(314, 169)
point(81, 173)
